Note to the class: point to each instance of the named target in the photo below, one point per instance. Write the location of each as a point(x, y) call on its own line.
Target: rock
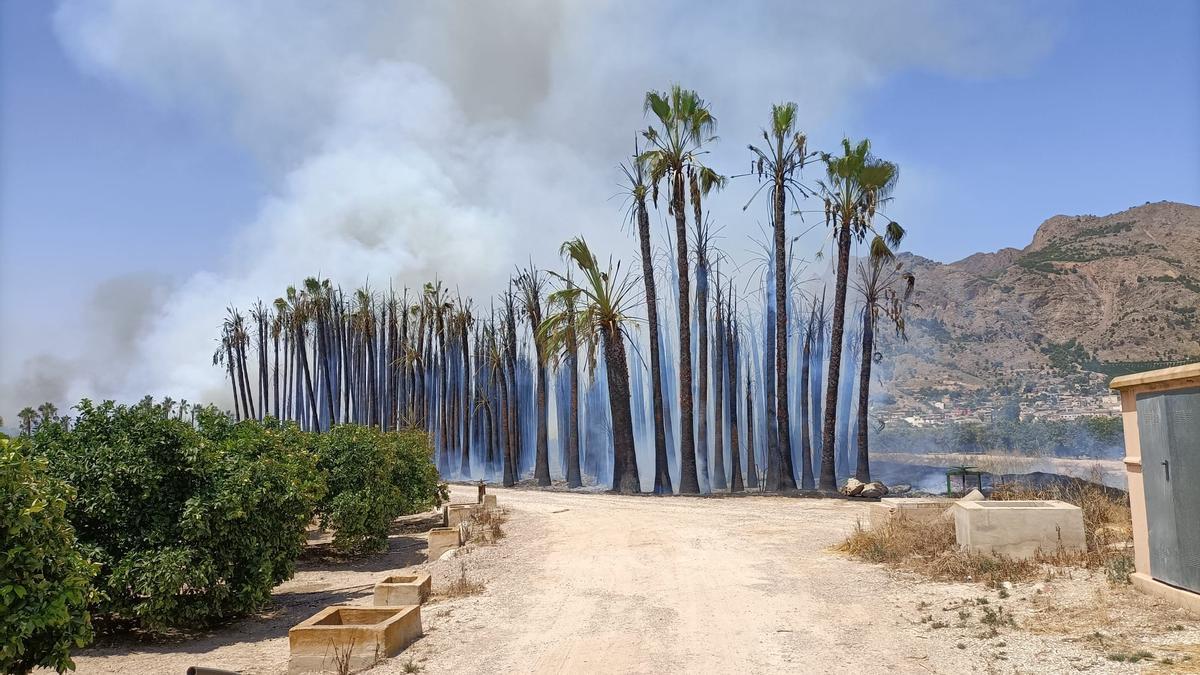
point(973, 496)
point(900, 489)
point(853, 487)
point(873, 490)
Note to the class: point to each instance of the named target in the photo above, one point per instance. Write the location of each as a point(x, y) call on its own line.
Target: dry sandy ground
point(602, 583)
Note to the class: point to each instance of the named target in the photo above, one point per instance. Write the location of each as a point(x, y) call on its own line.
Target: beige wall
point(1129, 386)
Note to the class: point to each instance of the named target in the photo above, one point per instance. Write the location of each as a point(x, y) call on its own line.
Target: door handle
point(1167, 468)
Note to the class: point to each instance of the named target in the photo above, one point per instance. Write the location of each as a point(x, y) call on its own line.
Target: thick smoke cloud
point(404, 141)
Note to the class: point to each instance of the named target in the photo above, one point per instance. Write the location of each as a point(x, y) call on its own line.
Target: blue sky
point(103, 175)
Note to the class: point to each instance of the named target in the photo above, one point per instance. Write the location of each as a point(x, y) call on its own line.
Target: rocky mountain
point(1089, 298)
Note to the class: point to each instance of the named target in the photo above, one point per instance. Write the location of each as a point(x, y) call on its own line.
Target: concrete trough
point(913, 508)
point(442, 539)
point(1019, 529)
point(454, 515)
point(366, 634)
point(402, 589)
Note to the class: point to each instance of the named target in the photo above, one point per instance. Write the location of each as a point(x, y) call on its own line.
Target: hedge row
point(190, 525)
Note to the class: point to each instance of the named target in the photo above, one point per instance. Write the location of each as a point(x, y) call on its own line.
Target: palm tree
point(784, 155)
point(635, 175)
point(532, 284)
point(27, 416)
point(603, 303)
point(48, 412)
point(856, 184)
point(885, 290)
point(687, 125)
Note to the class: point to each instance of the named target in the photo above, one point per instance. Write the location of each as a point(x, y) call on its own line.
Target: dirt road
point(601, 583)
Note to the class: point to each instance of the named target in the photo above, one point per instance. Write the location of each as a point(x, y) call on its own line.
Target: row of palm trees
point(481, 383)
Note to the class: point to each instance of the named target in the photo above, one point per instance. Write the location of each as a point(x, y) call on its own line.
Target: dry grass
point(462, 586)
point(1107, 523)
point(487, 526)
point(928, 546)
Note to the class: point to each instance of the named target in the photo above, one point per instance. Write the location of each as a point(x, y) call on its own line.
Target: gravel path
point(602, 583)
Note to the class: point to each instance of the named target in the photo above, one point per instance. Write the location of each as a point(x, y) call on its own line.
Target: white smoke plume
point(408, 140)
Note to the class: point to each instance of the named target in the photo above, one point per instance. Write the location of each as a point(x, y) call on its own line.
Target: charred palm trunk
point(506, 422)
point(574, 478)
point(751, 462)
point(863, 471)
point(625, 469)
point(731, 361)
point(688, 481)
point(308, 383)
point(829, 423)
point(718, 472)
point(787, 475)
point(702, 369)
point(662, 476)
point(806, 471)
point(465, 442)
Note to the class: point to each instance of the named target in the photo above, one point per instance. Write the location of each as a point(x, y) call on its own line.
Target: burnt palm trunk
point(718, 472)
point(662, 475)
point(829, 424)
point(731, 361)
point(541, 470)
point(702, 370)
point(308, 383)
point(863, 471)
point(625, 469)
point(465, 460)
point(751, 462)
point(688, 481)
point(806, 471)
point(574, 478)
point(787, 476)
point(506, 423)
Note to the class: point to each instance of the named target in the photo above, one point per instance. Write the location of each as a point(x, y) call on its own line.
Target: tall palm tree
point(856, 184)
point(635, 176)
point(27, 416)
point(532, 285)
point(601, 320)
point(686, 125)
point(885, 288)
point(778, 163)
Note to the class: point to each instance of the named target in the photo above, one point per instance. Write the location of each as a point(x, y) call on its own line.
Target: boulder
point(873, 490)
point(973, 496)
point(900, 489)
point(853, 487)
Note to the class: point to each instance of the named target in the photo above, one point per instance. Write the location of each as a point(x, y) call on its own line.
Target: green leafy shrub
point(190, 525)
point(373, 477)
point(45, 582)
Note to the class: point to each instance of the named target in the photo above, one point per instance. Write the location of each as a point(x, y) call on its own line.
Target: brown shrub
point(928, 547)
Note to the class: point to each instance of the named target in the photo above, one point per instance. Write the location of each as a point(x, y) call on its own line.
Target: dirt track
point(588, 583)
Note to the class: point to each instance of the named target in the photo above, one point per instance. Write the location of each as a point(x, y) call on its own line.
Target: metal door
point(1169, 433)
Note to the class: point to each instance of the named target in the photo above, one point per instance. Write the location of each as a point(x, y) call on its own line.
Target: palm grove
point(761, 395)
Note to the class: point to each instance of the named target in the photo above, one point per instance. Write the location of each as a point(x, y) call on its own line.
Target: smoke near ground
point(404, 141)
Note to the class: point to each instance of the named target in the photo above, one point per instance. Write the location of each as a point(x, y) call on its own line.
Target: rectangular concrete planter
point(402, 589)
point(914, 508)
point(454, 515)
point(1018, 529)
point(368, 634)
point(442, 539)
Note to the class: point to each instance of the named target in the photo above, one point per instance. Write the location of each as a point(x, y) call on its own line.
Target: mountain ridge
point(1088, 297)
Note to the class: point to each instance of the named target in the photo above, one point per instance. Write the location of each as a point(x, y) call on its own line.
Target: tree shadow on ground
point(291, 602)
